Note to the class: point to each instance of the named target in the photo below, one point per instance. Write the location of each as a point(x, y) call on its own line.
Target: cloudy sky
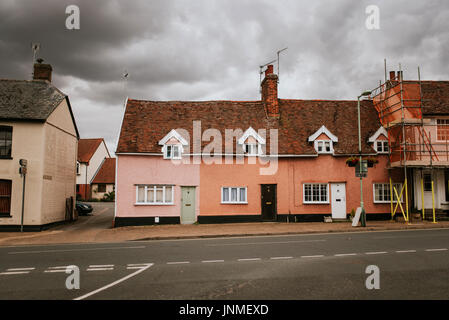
point(211, 50)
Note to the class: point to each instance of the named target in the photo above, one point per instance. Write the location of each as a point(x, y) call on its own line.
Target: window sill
point(234, 202)
point(154, 204)
point(315, 202)
point(5, 216)
point(6, 158)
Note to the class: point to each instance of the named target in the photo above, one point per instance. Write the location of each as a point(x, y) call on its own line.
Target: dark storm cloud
point(196, 50)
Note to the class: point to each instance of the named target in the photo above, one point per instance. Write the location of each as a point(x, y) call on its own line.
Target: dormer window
point(323, 140)
point(251, 142)
point(173, 145)
point(379, 140)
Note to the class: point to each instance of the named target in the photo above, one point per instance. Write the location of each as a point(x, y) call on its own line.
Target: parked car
point(83, 208)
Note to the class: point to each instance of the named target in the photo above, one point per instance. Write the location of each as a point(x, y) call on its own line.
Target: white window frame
point(312, 201)
point(238, 195)
point(384, 143)
point(171, 147)
point(254, 147)
point(155, 187)
point(323, 143)
point(398, 187)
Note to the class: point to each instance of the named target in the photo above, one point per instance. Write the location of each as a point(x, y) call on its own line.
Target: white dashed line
point(21, 269)
point(249, 259)
point(280, 258)
point(405, 251)
point(440, 249)
point(55, 270)
point(211, 261)
point(315, 256)
point(15, 272)
point(102, 266)
point(345, 254)
point(378, 252)
point(99, 269)
point(178, 262)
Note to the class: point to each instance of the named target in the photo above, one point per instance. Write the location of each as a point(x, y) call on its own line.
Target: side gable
point(88, 147)
point(62, 118)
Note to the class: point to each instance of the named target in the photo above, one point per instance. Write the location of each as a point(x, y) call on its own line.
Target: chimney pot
point(392, 76)
point(42, 71)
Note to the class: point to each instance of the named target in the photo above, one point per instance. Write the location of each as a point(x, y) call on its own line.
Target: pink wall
point(291, 174)
point(132, 170)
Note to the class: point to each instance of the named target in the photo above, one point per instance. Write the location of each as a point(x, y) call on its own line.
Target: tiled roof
point(106, 174)
point(87, 148)
point(28, 100)
point(435, 97)
point(147, 122)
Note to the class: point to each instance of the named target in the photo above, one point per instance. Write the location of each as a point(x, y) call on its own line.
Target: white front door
point(338, 197)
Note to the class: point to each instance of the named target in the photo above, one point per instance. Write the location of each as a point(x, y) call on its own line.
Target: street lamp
point(363, 214)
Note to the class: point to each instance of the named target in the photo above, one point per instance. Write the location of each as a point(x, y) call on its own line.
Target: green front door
point(188, 205)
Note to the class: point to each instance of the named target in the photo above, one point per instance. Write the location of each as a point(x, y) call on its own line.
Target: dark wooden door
point(268, 197)
point(5, 197)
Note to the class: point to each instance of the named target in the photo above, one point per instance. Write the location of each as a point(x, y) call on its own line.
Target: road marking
point(272, 242)
point(114, 283)
point(101, 266)
point(249, 259)
point(315, 256)
point(212, 261)
point(378, 252)
point(99, 269)
point(345, 254)
point(71, 250)
point(441, 249)
point(53, 271)
point(15, 272)
point(21, 269)
point(178, 262)
point(405, 251)
point(280, 258)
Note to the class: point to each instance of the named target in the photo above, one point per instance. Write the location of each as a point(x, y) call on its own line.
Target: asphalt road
point(413, 265)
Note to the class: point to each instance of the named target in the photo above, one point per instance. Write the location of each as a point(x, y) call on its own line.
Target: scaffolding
point(412, 140)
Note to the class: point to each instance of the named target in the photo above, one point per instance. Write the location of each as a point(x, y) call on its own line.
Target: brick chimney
point(270, 92)
point(42, 71)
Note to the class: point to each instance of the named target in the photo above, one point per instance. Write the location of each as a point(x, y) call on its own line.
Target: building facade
point(36, 124)
point(91, 155)
point(230, 161)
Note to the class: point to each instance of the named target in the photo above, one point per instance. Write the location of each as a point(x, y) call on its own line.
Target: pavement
point(97, 228)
